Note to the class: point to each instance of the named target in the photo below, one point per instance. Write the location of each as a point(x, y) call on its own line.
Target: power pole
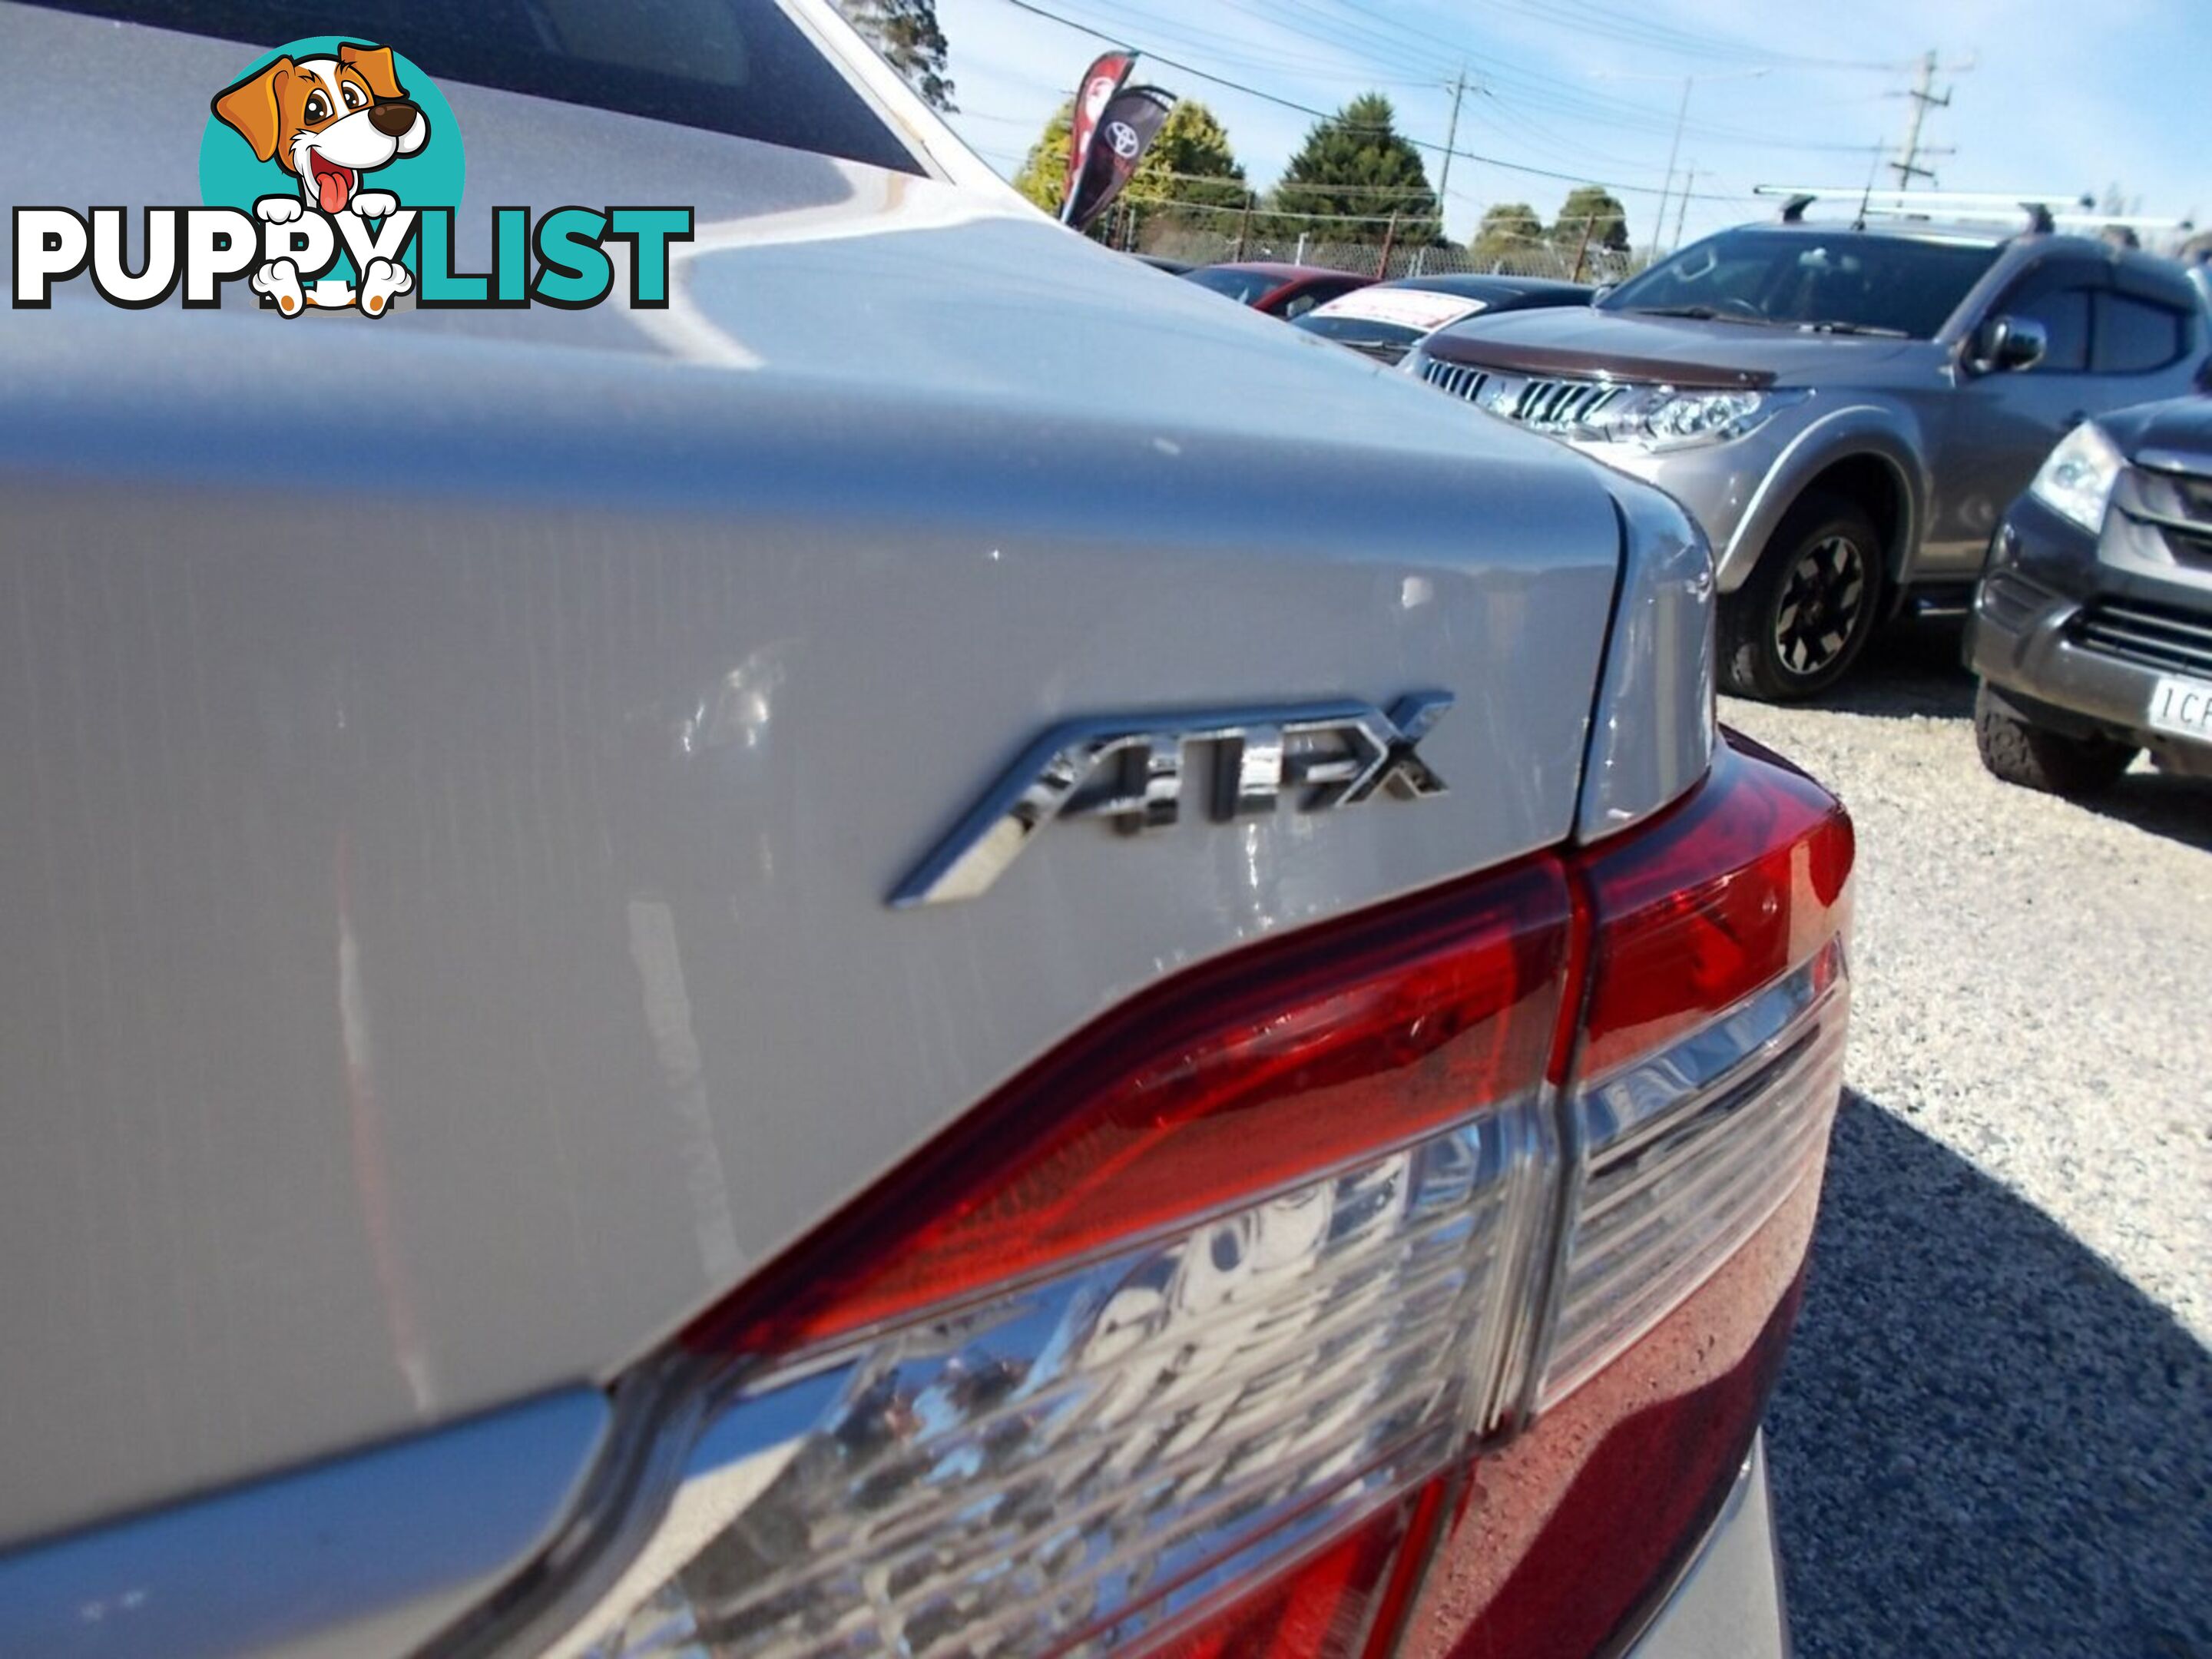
point(1682, 212)
point(1907, 167)
point(1451, 141)
point(1673, 150)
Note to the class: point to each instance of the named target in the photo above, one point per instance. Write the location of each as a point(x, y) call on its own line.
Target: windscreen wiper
point(1702, 313)
point(1826, 327)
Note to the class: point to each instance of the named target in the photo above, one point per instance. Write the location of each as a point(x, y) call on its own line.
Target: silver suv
point(1847, 408)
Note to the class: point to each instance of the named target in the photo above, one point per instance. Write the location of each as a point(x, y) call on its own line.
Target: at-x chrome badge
point(1131, 771)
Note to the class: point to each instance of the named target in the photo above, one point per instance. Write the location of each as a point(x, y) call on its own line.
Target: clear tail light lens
point(1683, 1156)
point(1075, 1466)
point(1181, 1344)
point(1711, 1048)
point(1196, 1298)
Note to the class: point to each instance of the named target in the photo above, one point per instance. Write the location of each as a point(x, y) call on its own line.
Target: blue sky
point(2050, 94)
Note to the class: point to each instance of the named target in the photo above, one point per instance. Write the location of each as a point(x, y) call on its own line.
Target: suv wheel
point(2036, 757)
point(1810, 606)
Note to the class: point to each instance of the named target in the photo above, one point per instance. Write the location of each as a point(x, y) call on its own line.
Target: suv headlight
point(2076, 482)
point(1659, 417)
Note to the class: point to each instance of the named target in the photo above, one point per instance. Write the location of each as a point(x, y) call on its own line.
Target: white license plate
point(2182, 707)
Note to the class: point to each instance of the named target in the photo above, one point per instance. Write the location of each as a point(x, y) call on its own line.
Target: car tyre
point(1796, 625)
point(2036, 757)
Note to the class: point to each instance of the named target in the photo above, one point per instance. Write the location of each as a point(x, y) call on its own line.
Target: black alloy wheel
point(1822, 599)
point(1801, 619)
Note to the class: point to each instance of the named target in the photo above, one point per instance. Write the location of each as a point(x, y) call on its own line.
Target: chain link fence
point(1173, 235)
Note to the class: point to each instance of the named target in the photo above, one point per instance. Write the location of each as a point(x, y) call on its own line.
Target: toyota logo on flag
point(1111, 129)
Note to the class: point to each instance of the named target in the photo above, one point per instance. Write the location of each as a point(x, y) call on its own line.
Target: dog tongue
point(332, 188)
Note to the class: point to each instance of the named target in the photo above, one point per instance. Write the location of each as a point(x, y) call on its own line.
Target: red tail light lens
point(1746, 880)
point(1697, 1115)
point(1711, 1049)
point(1329, 1606)
point(1288, 1060)
point(1176, 1345)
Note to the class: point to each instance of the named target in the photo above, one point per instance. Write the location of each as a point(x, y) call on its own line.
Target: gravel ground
point(1995, 1434)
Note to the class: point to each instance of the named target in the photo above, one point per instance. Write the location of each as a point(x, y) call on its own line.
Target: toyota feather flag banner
point(1124, 133)
point(1100, 83)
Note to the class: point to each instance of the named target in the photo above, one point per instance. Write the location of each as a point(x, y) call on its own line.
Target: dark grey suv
point(1848, 408)
point(2092, 628)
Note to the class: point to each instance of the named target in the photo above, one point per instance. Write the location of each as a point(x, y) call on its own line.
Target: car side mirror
point(2002, 344)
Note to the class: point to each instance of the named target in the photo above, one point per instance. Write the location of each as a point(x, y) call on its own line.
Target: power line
point(1228, 49)
point(1595, 19)
point(1580, 28)
point(1249, 91)
point(1563, 97)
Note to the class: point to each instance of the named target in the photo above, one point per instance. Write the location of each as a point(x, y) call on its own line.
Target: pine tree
point(1509, 231)
point(906, 33)
point(1353, 172)
point(1606, 218)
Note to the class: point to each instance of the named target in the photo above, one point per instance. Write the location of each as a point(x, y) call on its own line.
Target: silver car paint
point(1654, 732)
point(1729, 1600)
point(395, 1022)
point(1960, 446)
point(1746, 505)
point(366, 1555)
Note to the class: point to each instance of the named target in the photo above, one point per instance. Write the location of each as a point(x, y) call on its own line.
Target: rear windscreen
point(1245, 286)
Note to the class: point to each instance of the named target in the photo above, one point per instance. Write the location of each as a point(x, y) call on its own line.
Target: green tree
point(1190, 162)
point(1508, 230)
point(1356, 166)
point(906, 33)
point(1044, 177)
point(1189, 175)
point(1603, 213)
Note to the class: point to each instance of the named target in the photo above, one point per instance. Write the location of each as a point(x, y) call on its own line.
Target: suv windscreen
point(741, 67)
point(1851, 281)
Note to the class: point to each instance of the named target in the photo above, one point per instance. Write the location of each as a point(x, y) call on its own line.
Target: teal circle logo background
point(231, 175)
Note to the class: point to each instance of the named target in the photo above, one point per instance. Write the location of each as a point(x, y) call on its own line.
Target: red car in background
point(1279, 289)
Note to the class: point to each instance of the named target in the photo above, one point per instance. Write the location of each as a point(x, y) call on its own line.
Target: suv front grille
point(1546, 405)
point(2160, 636)
point(1460, 380)
point(2171, 496)
point(2188, 529)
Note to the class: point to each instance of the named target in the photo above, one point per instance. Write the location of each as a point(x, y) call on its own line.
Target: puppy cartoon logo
point(328, 121)
point(331, 179)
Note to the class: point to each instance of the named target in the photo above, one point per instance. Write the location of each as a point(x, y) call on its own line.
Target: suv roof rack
point(2045, 211)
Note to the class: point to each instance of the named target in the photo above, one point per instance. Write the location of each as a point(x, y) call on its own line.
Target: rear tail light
point(1182, 1344)
point(1710, 1050)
